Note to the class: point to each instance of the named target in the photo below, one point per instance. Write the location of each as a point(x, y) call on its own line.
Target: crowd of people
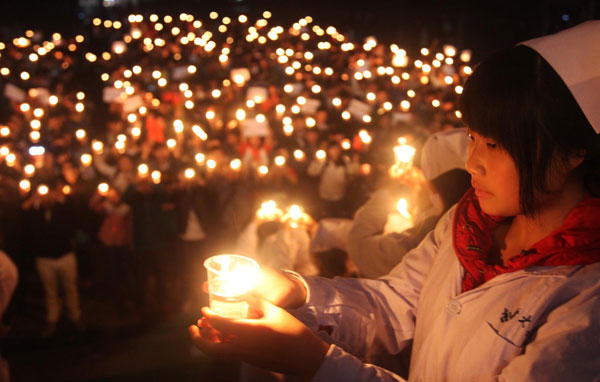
point(150, 142)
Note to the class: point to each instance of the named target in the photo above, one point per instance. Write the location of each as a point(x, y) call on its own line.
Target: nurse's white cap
point(575, 55)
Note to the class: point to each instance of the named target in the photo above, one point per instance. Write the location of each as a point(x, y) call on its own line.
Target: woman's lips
point(481, 193)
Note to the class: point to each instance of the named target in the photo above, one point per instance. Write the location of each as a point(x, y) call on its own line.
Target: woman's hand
point(275, 340)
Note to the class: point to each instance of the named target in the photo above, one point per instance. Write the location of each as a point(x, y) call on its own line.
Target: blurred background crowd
point(137, 144)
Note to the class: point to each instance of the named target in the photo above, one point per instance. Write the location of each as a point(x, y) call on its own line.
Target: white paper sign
point(243, 72)
point(253, 128)
point(359, 109)
point(110, 94)
point(14, 93)
point(257, 93)
point(179, 73)
point(132, 103)
point(401, 117)
point(311, 106)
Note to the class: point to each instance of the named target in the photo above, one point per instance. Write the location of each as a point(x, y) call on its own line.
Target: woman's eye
point(492, 145)
point(470, 137)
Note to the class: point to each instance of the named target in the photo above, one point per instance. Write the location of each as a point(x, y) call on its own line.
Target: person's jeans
point(63, 270)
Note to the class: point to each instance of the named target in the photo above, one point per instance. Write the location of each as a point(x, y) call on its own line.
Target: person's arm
point(565, 347)
point(367, 317)
point(374, 253)
point(103, 167)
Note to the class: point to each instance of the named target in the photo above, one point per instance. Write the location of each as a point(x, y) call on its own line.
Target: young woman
point(507, 286)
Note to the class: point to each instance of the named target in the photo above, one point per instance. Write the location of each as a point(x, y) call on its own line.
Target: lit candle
point(156, 175)
point(143, 170)
point(103, 189)
point(86, 159)
point(189, 173)
point(25, 185)
point(42, 189)
point(400, 220)
point(295, 216)
point(269, 211)
point(230, 278)
point(404, 158)
point(235, 164)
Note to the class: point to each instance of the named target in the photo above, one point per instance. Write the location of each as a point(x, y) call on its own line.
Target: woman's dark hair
point(515, 98)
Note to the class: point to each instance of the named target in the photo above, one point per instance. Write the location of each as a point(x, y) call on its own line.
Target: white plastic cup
point(230, 278)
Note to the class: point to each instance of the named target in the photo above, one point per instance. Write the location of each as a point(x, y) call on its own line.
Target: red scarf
point(575, 242)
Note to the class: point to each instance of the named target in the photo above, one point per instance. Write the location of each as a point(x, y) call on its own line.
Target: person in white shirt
point(507, 286)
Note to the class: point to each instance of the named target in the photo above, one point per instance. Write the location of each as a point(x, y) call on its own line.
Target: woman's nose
point(474, 164)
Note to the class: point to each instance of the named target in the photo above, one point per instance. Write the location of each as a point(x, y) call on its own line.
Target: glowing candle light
point(295, 216)
point(263, 170)
point(178, 126)
point(25, 185)
point(404, 155)
point(364, 136)
point(279, 160)
point(43, 189)
point(35, 136)
point(97, 147)
point(235, 164)
point(29, 169)
point(103, 189)
point(86, 159)
point(5, 131)
point(136, 132)
point(38, 113)
point(321, 154)
point(288, 130)
point(143, 170)
point(189, 173)
point(171, 143)
point(269, 211)
point(230, 278)
point(299, 154)
point(80, 134)
point(200, 132)
point(25, 107)
point(11, 159)
point(200, 158)
point(240, 114)
point(365, 169)
point(156, 176)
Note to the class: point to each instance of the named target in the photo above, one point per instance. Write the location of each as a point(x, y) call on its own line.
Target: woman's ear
point(575, 159)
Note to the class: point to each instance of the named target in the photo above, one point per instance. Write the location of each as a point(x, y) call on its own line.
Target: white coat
point(536, 324)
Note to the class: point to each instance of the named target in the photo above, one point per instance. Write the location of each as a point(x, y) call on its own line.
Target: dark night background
point(483, 26)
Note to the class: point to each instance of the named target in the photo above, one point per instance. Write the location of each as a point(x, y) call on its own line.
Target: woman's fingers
point(235, 326)
point(208, 342)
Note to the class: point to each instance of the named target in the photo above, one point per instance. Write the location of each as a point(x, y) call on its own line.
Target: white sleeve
point(103, 167)
point(341, 366)
point(370, 317)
